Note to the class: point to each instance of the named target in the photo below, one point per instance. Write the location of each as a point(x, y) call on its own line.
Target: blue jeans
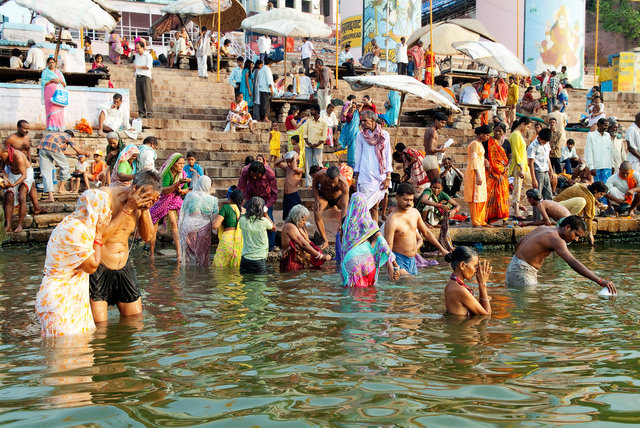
point(602, 175)
point(567, 166)
point(271, 234)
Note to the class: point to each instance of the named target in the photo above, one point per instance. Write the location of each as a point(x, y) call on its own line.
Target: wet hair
point(248, 160)
point(534, 194)
point(440, 116)
point(296, 214)
point(545, 134)
point(314, 169)
point(459, 255)
point(333, 172)
point(191, 154)
point(405, 189)
point(22, 122)
point(117, 97)
point(148, 178)
point(400, 147)
point(524, 119)
point(150, 140)
point(295, 138)
point(113, 136)
point(598, 187)
point(574, 222)
point(255, 209)
point(236, 197)
point(258, 167)
point(570, 141)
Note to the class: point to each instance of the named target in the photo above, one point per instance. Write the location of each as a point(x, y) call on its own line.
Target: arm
point(428, 236)
point(532, 171)
point(271, 225)
point(242, 181)
point(280, 163)
point(296, 237)
point(273, 196)
point(563, 251)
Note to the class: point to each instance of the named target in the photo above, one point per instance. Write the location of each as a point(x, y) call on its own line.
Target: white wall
point(499, 16)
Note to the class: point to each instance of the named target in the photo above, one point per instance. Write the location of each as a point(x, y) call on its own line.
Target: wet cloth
point(521, 274)
point(168, 201)
point(15, 189)
point(122, 165)
point(348, 136)
point(114, 286)
point(62, 302)
point(372, 163)
point(295, 258)
point(230, 246)
point(194, 224)
point(407, 263)
point(254, 235)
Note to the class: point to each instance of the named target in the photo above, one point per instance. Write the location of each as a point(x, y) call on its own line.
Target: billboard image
point(351, 32)
point(554, 36)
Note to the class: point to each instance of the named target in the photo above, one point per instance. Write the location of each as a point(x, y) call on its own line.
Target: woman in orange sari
point(475, 184)
point(497, 179)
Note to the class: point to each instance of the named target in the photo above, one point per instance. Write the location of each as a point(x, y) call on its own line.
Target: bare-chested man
point(402, 227)
point(431, 147)
point(533, 249)
point(114, 283)
point(330, 189)
point(291, 182)
point(20, 140)
point(549, 210)
point(16, 183)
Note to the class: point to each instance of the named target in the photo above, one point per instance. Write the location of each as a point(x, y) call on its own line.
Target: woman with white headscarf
point(194, 224)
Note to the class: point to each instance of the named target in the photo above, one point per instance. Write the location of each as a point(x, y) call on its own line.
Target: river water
point(298, 350)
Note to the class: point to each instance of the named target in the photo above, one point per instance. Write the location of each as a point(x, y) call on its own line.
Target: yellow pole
point(81, 38)
point(337, 37)
point(595, 68)
point(285, 63)
point(431, 38)
point(518, 28)
point(219, 42)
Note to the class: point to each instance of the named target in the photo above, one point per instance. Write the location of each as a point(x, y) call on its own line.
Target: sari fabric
point(497, 182)
point(229, 248)
point(55, 114)
point(114, 40)
point(168, 201)
point(391, 115)
point(245, 83)
point(239, 113)
point(348, 137)
point(194, 225)
point(62, 302)
point(295, 258)
point(124, 156)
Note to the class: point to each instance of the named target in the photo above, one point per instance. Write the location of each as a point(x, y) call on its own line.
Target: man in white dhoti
point(373, 162)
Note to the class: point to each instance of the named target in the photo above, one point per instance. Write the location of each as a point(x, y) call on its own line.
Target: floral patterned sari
point(497, 182)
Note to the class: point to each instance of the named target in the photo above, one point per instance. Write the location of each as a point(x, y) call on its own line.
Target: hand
point(609, 284)
point(483, 272)
point(183, 191)
point(593, 172)
point(101, 227)
point(137, 200)
point(534, 183)
point(629, 194)
point(385, 184)
point(446, 208)
point(316, 205)
point(592, 241)
point(478, 180)
point(134, 67)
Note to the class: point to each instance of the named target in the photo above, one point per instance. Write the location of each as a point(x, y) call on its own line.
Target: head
point(256, 169)
point(602, 125)
point(499, 130)
point(298, 216)
point(598, 189)
point(544, 136)
point(203, 30)
point(248, 160)
point(534, 197)
point(315, 111)
point(97, 156)
point(255, 209)
point(16, 52)
point(290, 158)
point(436, 186)
point(553, 123)
point(553, 73)
point(150, 183)
point(447, 163)
point(82, 158)
point(529, 89)
point(347, 47)
point(178, 165)
point(319, 64)
point(570, 143)
point(258, 65)
point(140, 47)
point(240, 62)
point(464, 262)
point(113, 139)
point(523, 124)
point(333, 175)
point(191, 158)
point(23, 127)
point(563, 69)
point(482, 133)
point(368, 120)
point(366, 100)
point(637, 119)
point(248, 64)
point(294, 110)
point(351, 97)
point(32, 42)
point(625, 169)
point(117, 100)
point(420, 44)
point(314, 169)
point(402, 40)
point(51, 63)
point(98, 58)
point(268, 62)
point(330, 108)
point(151, 141)
point(512, 79)
point(572, 228)
point(295, 139)
point(404, 196)
point(289, 88)
point(239, 97)
point(400, 148)
point(439, 120)
point(538, 127)
point(236, 197)
point(260, 158)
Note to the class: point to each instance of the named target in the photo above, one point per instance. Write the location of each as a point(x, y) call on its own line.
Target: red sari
point(497, 182)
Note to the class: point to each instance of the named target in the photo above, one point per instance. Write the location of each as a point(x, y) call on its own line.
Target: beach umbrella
point(77, 14)
point(405, 85)
point(493, 55)
point(286, 22)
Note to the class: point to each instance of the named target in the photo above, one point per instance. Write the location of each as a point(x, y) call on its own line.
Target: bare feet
point(324, 245)
point(40, 211)
point(18, 229)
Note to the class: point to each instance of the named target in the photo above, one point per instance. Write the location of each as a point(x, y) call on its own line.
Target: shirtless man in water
point(534, 248)
point(114, 283)
point(16, 182)
point(20, 140)
point(330, 189)
point(549, 210)
point(401, 230)
point(431, 148)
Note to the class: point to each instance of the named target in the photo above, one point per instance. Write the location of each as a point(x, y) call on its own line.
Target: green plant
point(619, 16)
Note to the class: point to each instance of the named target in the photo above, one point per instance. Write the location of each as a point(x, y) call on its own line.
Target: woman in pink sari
point(174, 187)
point(50, 80)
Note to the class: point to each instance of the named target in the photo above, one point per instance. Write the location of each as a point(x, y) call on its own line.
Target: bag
point(119, 49)
point(60, 97)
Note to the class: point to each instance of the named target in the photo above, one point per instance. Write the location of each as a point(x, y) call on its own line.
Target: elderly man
point(323, 76)
point(17, 184)
point(258, 179)
point(35, 57)
point(373, 162)
point(624, 189)
point(113, 118)
point(53, 148)
point(598, 152)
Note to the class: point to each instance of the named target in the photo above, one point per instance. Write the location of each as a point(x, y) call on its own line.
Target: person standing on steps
point(431, 149)
point(256, 91)
point(402, 59)
point(306, 49)
point(142, 65)
point(265, 87)
point(203, 50)
point(323, 77)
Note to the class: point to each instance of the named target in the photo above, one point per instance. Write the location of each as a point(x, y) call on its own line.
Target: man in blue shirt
point(236, 76)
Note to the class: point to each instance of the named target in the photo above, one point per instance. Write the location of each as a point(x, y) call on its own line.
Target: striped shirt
point(55, 142)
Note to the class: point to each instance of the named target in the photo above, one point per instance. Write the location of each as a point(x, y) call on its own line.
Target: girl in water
point(458, 296)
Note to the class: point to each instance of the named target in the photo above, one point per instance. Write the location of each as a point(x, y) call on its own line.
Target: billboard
point(351, 32)
point(554, 36)
point(403, 19)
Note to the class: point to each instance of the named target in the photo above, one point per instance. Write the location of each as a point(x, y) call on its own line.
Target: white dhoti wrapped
point(27, 182)
point(521, 274)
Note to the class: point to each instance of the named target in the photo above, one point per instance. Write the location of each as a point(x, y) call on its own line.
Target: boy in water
point(292, 179)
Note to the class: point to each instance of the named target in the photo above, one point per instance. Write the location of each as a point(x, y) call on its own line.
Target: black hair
point(255, 209)
point(333, 172)
point(247, 64)
point(117, 96)
point(22, 122)
point(398, 157)
point(236, 197)
point(140, 43)
point(191, 154)
point(436, 180)
point(602, 120)
point(316, 107)
point(598, 187)
point(405, 189)
point(150, 140)
point(445, 83)
point(570, 141)
point(16, 52)
point(69, 132)
point(351, 97)
point(574, 222)
point(96, 56)
point(440, 116)
point(290, 86)
point(257, 167)
point(523, 119)
point(240, 59)
point(534, 194)
point(204, 28)
point(400, 147)
point(314, 169)
point(545, 134)
point(295, 138)
point(248, 160)
point(294, 108)
point(367, 97)
point(226, 42)
point(500, 125)
point(275, 77)
point(459, 255)
point(257, 63)
point(319, 62)
point(268, 61)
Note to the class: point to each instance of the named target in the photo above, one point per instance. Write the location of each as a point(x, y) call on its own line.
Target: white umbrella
point(286, 22)
point(403, 84)
point(444, 34)
point(493, 55)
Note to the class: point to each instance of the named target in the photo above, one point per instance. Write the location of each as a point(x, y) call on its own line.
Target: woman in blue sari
point(392, 105)
point(246, 83)
point(349, 133)
point(50, 80)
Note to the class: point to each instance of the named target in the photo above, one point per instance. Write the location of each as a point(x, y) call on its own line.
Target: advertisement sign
point(554, 36)
point(351, 32)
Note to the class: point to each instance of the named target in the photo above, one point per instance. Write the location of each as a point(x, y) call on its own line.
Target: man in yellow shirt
point(315, 135)
point(512, 100)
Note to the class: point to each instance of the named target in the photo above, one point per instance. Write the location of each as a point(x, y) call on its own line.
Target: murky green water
point(299, 350)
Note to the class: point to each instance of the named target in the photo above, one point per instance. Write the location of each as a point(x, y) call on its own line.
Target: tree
point(619, 16)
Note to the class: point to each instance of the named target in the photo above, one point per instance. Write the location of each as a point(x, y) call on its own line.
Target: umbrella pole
point(337, 37)
point(219, 42)
point(404, 94)
point(595, 59)
point(55, 55)
point(285, 63)
point(431, 40)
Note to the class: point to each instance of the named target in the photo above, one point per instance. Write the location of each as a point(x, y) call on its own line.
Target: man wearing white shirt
point(305, 54)
point(401, 57)
point(346, 59)
point(539, 163)
point(633, 139)
point(35, 57)
point(598, 152)
point(469, 94)
point(114, 117)
point(264, 47)
point(143, 64)
point(266, 87)
point(203, 50)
